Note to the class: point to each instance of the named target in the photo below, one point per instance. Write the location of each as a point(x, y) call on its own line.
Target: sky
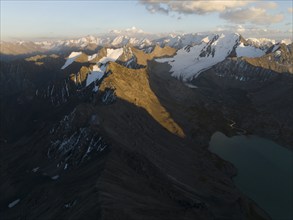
point(40, 19)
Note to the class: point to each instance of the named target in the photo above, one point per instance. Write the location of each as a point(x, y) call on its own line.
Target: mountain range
point(118, 126)
point(118, 38)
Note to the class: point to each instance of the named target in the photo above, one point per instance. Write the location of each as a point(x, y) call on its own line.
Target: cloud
point(242, 29)
point(267, 5)
point(255, 31)
point(290, 10)
point(191, 7)
point(133, 32)
point(234, 11)
point(154, 6)
point(251, 15)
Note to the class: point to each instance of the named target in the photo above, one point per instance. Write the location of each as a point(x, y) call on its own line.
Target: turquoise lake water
point(265, 171)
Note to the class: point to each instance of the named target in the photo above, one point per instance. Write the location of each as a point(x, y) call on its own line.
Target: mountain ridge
point(132, 137)
point(92, 43)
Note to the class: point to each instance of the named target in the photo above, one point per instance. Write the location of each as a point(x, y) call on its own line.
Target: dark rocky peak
point(208, 50)
point(187, 48)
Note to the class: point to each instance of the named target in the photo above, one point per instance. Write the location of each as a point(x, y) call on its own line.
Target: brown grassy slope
point(83, 58)
point(143, 57)
point(138, 92)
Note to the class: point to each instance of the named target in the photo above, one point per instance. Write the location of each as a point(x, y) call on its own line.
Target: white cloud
point(132, 32)
point(234, 11)
point(267, 5)
point(248, 31)
point(251, 15)
point(191, 7)
point(154, 6)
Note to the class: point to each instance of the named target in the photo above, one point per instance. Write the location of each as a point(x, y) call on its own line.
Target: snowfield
point(190, 61)
point(249, 51)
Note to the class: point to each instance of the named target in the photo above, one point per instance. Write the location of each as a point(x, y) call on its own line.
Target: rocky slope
point(132, 144)
point(265, 85)
point(107, 160)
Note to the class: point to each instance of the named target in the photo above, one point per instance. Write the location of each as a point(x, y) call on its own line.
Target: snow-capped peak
point(134, 36)
point(120, 40)
point(190, 61)
point(286, 41)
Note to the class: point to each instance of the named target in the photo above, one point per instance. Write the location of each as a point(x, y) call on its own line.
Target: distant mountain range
point(115, 38)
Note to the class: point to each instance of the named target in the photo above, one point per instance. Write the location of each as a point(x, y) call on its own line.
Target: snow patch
point(99, 69)
point(55, 177)
point(112, 55)
point(96, 74)
point(14, 203)
point(191, 86)
point(206, 39)
point(276, 47)
point(35, 169)
point(72, 57)
point(90, 58)
point(96, 89)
